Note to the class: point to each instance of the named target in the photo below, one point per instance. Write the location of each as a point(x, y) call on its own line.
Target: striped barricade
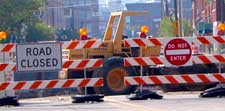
point(161, 60)
point(204, 40)
point(84, 63)
point(70, 64)
point(175, 79)
point(11, 47)
point(50, 84)
point(146, 61)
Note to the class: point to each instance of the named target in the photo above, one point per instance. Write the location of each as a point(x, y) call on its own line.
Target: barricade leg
point(87, 97)
point(7, 97)
point(142, 94)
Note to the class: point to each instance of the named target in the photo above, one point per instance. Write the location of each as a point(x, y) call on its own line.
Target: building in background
point(74, 14)
point(207, 14)
point(152, 19)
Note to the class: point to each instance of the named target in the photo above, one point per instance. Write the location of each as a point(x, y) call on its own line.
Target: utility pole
point(180, 27)
point(165, 7)
point(176, 19)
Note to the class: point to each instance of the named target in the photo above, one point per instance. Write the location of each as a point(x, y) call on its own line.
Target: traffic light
point(221, 29)
point(144, 31)
point(83, 34)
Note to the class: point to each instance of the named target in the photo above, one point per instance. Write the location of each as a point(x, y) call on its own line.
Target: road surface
point(182, 101)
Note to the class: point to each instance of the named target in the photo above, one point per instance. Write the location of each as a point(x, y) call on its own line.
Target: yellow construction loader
point(112, 51)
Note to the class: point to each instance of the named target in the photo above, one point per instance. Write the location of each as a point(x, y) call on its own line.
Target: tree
point(67, 34)
point(17, 17)
point(39, 32)
point(168, 29)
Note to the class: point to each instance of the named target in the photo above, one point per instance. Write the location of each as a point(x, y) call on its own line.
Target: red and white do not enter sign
point(178, 52)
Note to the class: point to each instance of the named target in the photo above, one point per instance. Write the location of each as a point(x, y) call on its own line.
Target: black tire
point(110, 71)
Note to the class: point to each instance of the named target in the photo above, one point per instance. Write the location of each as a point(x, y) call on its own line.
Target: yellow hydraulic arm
point(117, 39)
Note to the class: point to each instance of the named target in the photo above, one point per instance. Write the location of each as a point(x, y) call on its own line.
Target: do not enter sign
point(178, 52)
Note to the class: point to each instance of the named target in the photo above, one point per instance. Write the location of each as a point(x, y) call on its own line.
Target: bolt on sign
point(178, 52)
point(39, 57)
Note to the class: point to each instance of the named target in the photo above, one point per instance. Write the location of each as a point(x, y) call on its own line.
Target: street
point(178, 101)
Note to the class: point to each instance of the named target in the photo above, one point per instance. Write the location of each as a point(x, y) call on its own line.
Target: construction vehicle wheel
point(113, 72)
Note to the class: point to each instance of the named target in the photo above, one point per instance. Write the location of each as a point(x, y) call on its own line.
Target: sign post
point(178, 52)
point(39, 57)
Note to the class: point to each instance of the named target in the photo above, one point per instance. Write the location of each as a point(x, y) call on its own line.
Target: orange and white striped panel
point(7, 67)
point(175, 79)
point(84, 63)
point(70, 64)
point(137, 42)
point(82, 44)
point(50, 84)
point(11, 47)
point(146, 61)
point(207, 59)
point(206, 40)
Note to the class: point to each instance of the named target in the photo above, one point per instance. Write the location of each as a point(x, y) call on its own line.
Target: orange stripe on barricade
point(99, 82)
point(155, 80)
point(204, 59)
point(219, 77)
point(3, 66)
point(171, 79)
point(8, 47)
point(203, 78)
point(139, 80)
point(72, 45)
point(156, 41)
point(89, 44)
point(4, 85)
point(203, 40)
point(219, 39)
point(187, 78)
point(35, 85)
point(220, 58)
point(67, 84)
point(19, 85)
point(82, 64)
point(51, 84)
point(84, 82)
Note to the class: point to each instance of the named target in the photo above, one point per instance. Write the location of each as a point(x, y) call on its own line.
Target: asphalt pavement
point(178, 101)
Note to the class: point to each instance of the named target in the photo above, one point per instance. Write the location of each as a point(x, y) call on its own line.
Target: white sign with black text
point(39, 57)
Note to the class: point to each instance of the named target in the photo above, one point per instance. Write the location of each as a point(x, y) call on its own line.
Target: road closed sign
point(178, 52)
point(39, 57)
